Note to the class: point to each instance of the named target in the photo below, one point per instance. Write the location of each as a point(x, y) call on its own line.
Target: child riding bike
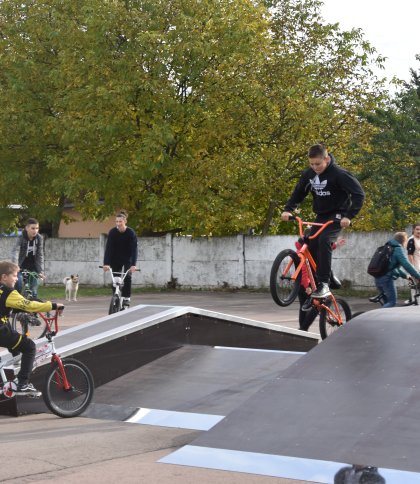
point(9, 338)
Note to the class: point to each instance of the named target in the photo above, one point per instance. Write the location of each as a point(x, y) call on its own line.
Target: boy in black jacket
point(337, 195)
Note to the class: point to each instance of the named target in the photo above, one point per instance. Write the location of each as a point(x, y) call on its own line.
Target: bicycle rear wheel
point(328, 322)
point(72, 402)
point(30, 324)
point(283, 288)
point(114, 305)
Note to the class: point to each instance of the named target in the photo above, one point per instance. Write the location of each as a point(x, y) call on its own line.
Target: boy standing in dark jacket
point(337, 195)
point(121, 252)
point(28, 253)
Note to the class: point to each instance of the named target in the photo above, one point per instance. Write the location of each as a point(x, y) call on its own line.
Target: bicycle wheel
point(114, 305)
point(328, 322)
point(68, 403)
point(30, 324)
point(283, 288)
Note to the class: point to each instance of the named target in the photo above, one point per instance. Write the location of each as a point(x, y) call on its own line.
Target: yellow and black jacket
point(11, 299)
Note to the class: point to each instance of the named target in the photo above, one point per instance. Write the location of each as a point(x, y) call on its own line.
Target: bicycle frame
point(43, 353)
point(306, 258)
point(27, 277)
point(303, 253)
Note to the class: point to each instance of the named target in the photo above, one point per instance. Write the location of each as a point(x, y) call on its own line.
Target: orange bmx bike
point(285, 280)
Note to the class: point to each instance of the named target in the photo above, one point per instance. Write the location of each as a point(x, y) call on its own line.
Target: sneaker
point(377, 299)
point(34, 321)
point(307, 305)
point(322, 291)
point(27, 389)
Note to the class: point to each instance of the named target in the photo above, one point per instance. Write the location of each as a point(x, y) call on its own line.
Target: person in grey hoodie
point(386, 283)
point(28, 253)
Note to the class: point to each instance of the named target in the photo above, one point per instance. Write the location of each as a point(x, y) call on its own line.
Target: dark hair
point(415, 226)
point(122, 213)
point(32, 221)
point(317, 151)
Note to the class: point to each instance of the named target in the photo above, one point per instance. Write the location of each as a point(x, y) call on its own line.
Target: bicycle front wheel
point(283, 288)
point(72, 402)
point(114, 305)
point(30, 324)
point(328, 323)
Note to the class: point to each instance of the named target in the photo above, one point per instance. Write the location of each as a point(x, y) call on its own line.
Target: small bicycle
point(68, 386)
point(285, 279)
point(31, 324)
point(117, 303)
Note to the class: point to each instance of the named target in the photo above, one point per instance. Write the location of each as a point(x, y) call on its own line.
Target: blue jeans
point(386, 285)
point(33, 285)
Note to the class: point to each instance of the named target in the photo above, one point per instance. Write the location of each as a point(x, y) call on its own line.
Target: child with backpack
point(397, 260)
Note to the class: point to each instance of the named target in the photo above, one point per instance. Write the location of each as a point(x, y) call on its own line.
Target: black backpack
point(379, 264)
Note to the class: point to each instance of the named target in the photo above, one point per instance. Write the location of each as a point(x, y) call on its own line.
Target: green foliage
point(194, 115)
point(390, 166)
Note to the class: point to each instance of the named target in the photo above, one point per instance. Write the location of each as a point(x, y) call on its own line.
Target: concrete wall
point(204, 262)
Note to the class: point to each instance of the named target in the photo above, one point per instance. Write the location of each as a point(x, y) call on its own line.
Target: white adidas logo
point(318, 186)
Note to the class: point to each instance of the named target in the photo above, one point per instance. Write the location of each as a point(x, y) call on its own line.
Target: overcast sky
point(391, 26)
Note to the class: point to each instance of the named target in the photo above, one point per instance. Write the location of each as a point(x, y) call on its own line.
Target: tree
point(193, 115)
point(390, 167)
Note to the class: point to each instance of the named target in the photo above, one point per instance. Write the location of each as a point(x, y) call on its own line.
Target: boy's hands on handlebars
point(345, 222)
point(285, 216)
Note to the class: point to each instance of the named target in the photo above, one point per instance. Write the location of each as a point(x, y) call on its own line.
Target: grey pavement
point(43, 447)
point(258, 306)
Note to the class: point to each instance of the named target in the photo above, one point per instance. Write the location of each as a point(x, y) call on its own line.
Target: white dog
point(72, 286)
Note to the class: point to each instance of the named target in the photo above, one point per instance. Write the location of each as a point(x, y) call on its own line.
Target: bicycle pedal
point(36, 394)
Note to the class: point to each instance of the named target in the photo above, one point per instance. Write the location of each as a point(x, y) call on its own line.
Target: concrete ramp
point(350, 405)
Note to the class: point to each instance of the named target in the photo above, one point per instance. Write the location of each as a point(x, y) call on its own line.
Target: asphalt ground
point(258, 306)
point(46, 448)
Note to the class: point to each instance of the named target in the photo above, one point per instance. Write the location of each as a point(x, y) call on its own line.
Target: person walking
point(28, 254)
point(121, 252)
point(386, 283)
point(338, 196)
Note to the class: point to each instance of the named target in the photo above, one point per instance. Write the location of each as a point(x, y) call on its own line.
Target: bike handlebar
point(301, 223)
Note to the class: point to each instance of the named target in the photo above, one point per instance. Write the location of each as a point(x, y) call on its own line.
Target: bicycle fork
point(62, 373)
point(335, 314)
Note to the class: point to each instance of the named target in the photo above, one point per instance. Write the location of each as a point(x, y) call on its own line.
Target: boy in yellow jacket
point(9, 338)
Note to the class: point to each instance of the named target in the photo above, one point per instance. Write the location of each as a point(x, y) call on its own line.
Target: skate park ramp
point(222, 354)
point(349, 406)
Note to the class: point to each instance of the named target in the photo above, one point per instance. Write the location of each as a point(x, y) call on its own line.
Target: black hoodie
point(334, 191)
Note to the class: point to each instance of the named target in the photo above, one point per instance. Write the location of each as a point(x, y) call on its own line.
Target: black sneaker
point(34, 321)
point(377, 298)
point(322, 291)
point(27, 389)
point(307, 305)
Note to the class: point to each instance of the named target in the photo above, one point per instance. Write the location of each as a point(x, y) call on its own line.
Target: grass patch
point(57, 292)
